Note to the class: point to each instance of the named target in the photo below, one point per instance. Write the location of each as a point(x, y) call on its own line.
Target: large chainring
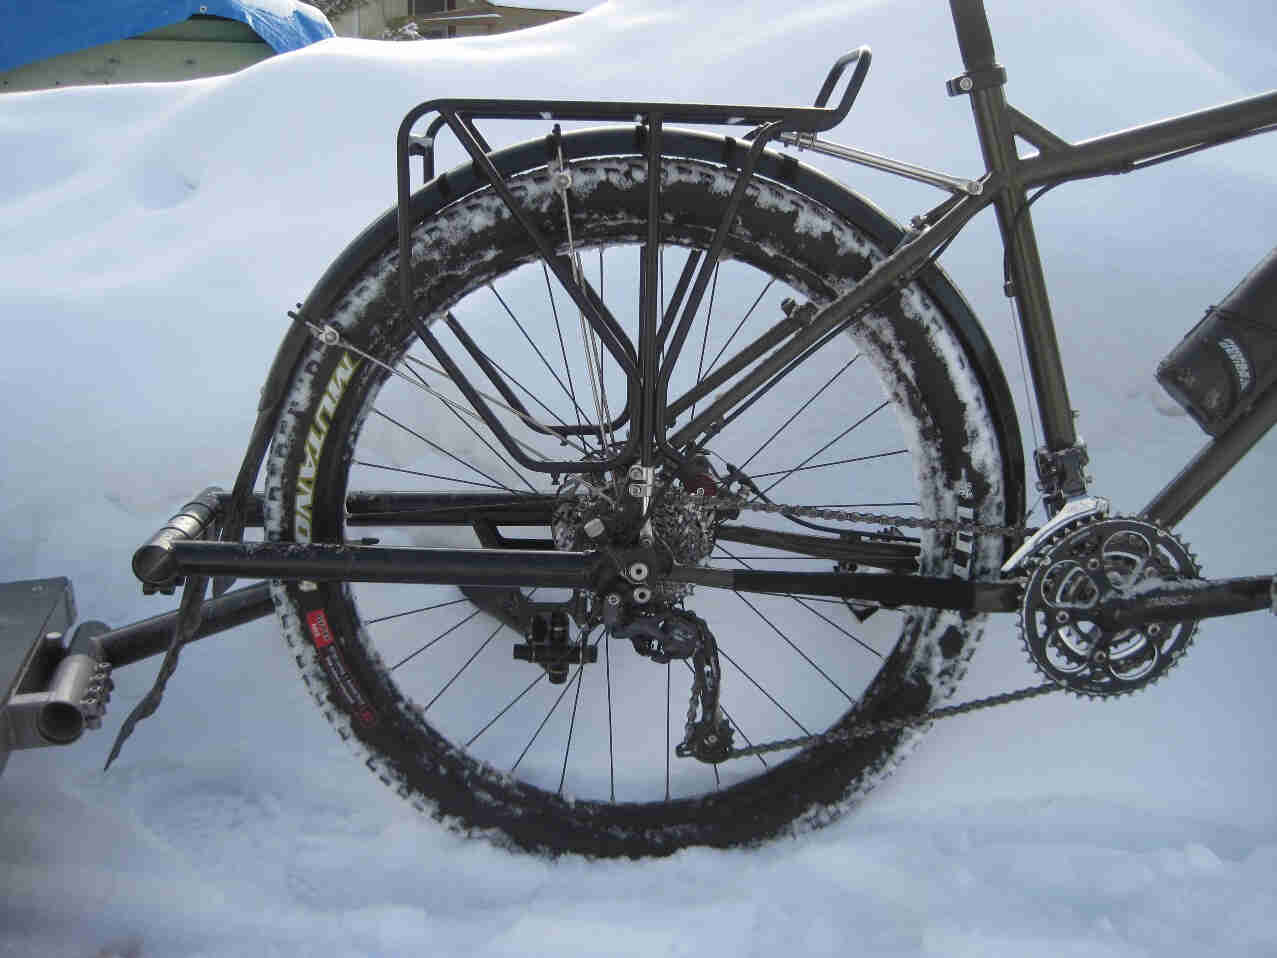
point(1086, 564)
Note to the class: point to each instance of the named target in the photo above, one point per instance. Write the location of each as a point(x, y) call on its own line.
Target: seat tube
point(997, 143)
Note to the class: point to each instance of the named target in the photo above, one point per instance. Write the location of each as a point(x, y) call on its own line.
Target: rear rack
point(645, 400)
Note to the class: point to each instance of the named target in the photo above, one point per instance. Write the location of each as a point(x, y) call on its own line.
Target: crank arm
point(1200, 600)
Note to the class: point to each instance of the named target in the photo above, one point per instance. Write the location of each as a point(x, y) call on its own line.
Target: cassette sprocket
point(1086, 564)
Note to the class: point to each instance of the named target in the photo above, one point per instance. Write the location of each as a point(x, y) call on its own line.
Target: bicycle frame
point(1008, 179)
point(1004, 186)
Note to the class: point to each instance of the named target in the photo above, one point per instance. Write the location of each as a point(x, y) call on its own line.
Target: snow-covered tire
point(953, 454)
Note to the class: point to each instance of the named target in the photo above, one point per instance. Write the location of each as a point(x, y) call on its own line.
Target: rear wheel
point(889, 417)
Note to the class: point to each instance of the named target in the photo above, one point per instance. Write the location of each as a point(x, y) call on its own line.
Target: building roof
point(30, 32)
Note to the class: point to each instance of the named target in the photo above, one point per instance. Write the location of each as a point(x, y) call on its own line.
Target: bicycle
point(655, 494)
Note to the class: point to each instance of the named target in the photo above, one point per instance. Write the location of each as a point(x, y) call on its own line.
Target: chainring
point(1085, 564)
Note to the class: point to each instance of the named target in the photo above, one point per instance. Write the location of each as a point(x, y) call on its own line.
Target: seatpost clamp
point(973, 80)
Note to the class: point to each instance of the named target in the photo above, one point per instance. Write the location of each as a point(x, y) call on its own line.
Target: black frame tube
point(1212, 463)
point(997, 124)
point(151, 637)
point(323, 562)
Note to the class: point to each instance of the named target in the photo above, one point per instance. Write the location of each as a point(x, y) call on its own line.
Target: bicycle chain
point(903, 723)
point(837, 515)
point(869, 729)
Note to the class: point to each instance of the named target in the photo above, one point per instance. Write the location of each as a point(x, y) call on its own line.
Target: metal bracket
point(1062, 473)
point(974, 80)
point(642, 481)
point(1090, 506)
point(953, 184)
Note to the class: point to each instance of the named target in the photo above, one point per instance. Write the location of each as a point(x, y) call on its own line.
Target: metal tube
point(1210, 465)
point(141, 640)
point(1115, 152)
point(650, 306)
point(889, 589)
point(153, 562)
point(342, 563)
point(954, 184)
point(989, 106)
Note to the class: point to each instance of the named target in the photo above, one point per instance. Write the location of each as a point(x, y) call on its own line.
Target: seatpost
point(1061, 463)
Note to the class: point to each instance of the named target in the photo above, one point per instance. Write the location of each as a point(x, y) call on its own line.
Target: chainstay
point(719, 503)
point(897, 724)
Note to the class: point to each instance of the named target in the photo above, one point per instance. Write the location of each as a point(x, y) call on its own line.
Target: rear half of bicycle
point(636, 487)
point(491, 396)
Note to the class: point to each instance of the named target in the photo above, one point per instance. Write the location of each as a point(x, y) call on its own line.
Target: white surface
point(155, 236)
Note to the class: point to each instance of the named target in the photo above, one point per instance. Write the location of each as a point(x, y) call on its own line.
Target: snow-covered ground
point(153, 238)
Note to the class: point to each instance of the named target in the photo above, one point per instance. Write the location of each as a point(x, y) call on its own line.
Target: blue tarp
point(32, 30)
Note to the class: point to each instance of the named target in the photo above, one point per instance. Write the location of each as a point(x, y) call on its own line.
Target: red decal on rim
point(320, 633)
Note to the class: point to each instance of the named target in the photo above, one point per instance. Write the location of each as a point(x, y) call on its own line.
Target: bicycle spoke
point(799, 411)
point(533, 396)
point(576, 700)
point(424, 608)
point(548, 714)
point(470, 411)
point(440, 449)
point(709, 315)
point(553, 708)
point(435, 640)
point(836, 462)
point(537, 349)
point(611, 758)
point(563, 349)
point(769, 696)
point(431, 475)
point(601, 358)
point(512, 704)
point(457, 675)
point(803, 601)
point(790, 642)
point(667, 730)
point(744, 319)
point(471, 427)
point(863, 419)
point(859, 641)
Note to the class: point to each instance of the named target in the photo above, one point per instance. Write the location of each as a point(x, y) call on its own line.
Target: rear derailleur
point(677, 634)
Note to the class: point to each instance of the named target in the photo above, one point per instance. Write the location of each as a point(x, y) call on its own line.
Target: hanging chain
point(868, 729)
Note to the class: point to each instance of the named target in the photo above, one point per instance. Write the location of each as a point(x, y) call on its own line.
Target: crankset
point(1089, 569)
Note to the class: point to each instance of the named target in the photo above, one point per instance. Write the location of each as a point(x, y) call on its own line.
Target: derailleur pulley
point(679, 634)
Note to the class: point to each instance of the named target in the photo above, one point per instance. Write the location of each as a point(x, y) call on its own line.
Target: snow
point(155, 236)
point(578, 5)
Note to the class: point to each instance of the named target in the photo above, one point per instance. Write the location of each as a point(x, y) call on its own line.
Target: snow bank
point(154, 237)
